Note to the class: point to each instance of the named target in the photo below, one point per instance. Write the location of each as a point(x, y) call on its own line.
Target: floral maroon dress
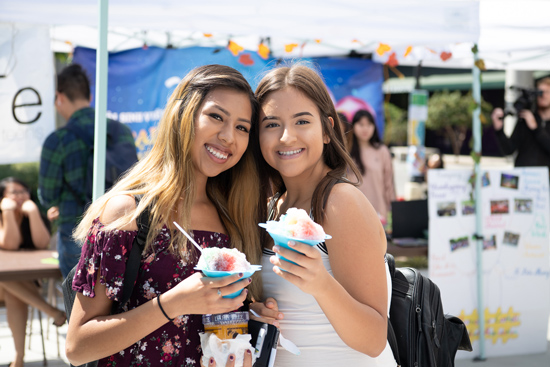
point(176, 343)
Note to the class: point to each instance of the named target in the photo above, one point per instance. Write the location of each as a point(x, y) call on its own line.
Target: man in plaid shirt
point(63, 162)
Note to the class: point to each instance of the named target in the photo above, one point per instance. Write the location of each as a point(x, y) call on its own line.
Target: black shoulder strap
point(134, 259)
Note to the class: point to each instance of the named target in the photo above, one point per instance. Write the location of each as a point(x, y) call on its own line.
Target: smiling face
point(291, 133)
point(222, 126)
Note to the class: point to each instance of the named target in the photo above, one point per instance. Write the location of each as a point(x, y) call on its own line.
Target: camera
point(527, 100)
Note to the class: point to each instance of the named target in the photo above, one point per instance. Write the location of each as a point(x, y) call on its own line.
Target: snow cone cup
point(282, 240)
point(218, 274)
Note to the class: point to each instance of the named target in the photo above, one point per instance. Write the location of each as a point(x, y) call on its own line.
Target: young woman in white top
point(334, 303)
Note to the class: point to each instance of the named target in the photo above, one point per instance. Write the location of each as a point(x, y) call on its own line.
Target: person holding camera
point(531, 135)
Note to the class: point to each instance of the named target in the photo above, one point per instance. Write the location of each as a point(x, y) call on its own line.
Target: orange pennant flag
point(207, 35)
point(290, 47)
point(318, 40)
point(263, 51)
point(246, 60)
point(382, 49)
point(392, 60)
point(234, 48)
point(408, 51)
point(445, 55)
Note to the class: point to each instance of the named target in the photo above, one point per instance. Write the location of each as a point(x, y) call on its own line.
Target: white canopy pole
point(100, 141)
point(476, 91)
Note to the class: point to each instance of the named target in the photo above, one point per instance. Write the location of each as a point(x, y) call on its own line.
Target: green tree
point(395, 132)
point(451, 112)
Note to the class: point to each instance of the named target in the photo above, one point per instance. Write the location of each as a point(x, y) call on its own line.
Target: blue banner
point(141, 80)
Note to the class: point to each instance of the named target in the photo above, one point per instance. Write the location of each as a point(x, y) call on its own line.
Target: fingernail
point(275, 248)
point(211, 362)
point(291, 243)
point(280, 316)
point(249, 280)
point(231, 357)
point(241, 275)
point(276, 323)
point(246, 291)
point(248, 352)
point(270, 304)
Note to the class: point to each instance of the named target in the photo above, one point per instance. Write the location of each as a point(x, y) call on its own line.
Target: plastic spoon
point(189, 237)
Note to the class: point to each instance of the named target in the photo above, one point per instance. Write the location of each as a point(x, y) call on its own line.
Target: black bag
point(419, 333)
point(119, 157)
point(130, 274)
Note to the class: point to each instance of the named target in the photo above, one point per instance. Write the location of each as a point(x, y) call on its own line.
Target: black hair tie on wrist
point(162, 309)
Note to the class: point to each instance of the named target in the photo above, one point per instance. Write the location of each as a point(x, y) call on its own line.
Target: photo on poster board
point(500, 206)
point(446, 209)
point(509, 181)
point(485, 179)
point(468, 207)
point(510, 238)
point(523, 206)
point(490, 243)
point(458, 243)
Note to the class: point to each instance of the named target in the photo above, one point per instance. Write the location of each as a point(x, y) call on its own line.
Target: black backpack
point(130, 274)
point(119, 157)
point(419, 333)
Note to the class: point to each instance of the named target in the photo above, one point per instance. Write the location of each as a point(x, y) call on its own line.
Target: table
point(27, 265)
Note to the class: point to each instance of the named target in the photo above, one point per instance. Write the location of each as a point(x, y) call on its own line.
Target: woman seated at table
point(22, 227)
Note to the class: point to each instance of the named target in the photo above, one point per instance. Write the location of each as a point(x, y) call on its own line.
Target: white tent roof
point(510, 33)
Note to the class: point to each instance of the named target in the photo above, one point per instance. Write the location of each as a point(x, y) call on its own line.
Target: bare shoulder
point(116, 207)
point(345, 196)
point(348, 208)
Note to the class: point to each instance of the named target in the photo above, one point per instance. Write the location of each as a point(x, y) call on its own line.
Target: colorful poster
point(141, 80)
point(26, 92)
point(515, 253)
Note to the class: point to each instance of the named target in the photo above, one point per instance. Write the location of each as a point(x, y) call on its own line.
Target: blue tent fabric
point(141, 80)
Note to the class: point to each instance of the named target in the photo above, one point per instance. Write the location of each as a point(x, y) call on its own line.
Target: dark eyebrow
point(228, 114)
point(293, 116)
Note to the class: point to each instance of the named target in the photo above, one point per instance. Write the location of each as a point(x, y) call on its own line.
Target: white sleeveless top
point(306, 325)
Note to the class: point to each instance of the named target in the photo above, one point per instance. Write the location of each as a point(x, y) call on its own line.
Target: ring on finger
point(219, 292)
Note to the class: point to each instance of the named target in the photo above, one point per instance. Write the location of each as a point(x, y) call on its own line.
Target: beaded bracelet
point(162, 309)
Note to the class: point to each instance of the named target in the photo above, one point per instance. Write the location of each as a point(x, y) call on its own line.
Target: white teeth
point(290, 152)
point(216, 153)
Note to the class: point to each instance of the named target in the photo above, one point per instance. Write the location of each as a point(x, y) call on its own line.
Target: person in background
point(22, 227)
point(334, 302)
point(199, 174)
point(63, 161)
point(531, 135)
point(374, 162)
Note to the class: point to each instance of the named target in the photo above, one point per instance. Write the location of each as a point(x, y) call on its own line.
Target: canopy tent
point(510, 34)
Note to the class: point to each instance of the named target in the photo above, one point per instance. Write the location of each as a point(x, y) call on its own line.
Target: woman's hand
point(231, 361)
point(29, 207)
point(202, 295)
point(8, 204)
point(310, 275)
point(268, 311)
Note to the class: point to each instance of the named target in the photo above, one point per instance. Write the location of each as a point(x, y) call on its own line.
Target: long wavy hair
point(166, 174)
point(306, 80)
point(355, 150)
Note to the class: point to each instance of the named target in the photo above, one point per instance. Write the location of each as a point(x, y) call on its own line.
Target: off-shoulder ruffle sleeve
point(108, 253)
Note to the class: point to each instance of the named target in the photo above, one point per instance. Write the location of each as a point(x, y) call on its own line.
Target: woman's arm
point(39, 232)
point(10, 234)
point(355, 299)
point(93, 333)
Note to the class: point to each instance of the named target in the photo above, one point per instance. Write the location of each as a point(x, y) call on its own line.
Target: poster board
point(516, 257)
point(26, 91)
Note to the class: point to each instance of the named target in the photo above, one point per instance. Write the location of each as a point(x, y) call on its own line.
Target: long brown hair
point(335, 156)
point(166, 173)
